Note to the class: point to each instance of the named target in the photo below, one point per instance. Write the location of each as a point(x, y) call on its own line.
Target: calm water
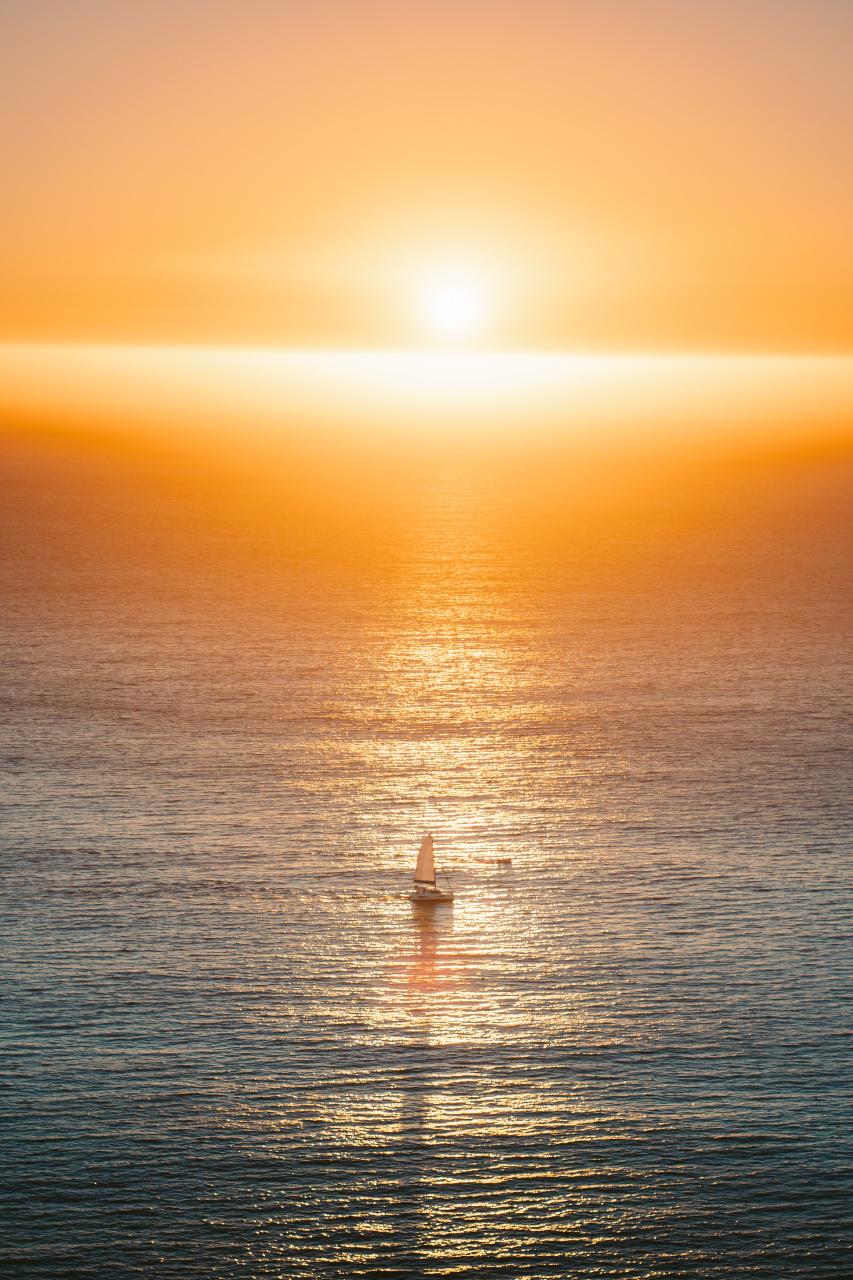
point(230, 1046)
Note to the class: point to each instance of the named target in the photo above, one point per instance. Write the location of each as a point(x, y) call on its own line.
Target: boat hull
point(429, 897)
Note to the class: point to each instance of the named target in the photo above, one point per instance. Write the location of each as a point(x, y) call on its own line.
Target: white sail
point(425, 865)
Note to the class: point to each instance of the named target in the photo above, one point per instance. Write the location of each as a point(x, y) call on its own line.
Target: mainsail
point(425, 865)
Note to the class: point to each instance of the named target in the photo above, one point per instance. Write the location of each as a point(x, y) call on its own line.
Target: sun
point(453, 306)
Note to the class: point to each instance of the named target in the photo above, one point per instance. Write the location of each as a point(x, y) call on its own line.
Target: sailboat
point(426, 889)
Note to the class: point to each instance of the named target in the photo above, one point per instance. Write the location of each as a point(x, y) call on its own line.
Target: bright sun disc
point(453, 307)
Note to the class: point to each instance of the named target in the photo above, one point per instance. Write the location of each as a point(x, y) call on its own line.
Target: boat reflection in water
point(425, 1079)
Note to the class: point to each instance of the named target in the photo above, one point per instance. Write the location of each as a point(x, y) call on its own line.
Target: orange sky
point(626, 173)
point(220, 220)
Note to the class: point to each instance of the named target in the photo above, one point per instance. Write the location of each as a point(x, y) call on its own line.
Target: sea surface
point(231, 1047)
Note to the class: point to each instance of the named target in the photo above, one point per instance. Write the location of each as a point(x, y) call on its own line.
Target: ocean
point(231, 1047)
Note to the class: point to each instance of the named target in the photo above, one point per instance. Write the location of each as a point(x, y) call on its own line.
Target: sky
point(616, 176)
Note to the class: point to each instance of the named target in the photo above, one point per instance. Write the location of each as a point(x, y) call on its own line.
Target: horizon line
point(457, 351)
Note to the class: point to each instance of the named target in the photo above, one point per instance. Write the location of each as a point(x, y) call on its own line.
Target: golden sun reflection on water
point(526, 1070)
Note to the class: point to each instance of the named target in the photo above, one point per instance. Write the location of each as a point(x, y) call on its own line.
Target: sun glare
point(453, 306)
